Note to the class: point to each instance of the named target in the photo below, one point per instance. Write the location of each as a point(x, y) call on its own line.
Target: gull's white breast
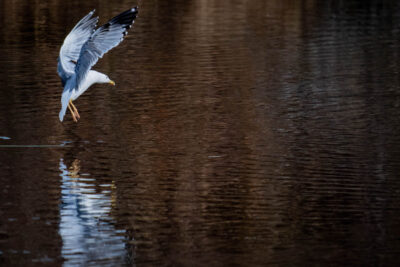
point(91, 78)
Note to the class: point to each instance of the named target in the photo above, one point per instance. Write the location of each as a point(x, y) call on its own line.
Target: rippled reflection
point(86, 227)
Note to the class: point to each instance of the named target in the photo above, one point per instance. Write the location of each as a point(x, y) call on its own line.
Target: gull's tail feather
point(66, 95)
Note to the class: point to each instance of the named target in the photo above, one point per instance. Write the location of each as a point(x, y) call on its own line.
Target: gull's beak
point(111, 82)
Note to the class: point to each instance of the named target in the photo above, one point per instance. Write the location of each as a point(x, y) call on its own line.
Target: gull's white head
point(104, 79)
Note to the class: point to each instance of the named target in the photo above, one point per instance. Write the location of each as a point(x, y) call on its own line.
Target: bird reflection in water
point(74, 168)
point(86, 226)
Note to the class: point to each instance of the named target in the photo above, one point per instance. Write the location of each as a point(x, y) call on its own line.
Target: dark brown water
point(240, 133)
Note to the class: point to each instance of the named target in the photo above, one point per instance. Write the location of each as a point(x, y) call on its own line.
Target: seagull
point(81, 50)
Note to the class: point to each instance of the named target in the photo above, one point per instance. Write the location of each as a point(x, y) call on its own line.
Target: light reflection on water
point(86, 228)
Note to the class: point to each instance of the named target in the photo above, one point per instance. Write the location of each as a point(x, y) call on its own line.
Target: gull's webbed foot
point(74, 111)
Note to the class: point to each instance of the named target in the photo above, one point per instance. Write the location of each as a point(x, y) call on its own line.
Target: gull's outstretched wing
point(71, 48)
point(102, 40)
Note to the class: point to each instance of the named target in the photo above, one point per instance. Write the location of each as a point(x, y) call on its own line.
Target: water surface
point(240, 133)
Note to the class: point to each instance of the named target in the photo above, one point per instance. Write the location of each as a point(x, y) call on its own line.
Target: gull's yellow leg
point(75, 109)
point(72, 113)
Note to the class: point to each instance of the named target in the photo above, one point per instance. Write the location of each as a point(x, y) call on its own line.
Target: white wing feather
point(71, 48)
point(102, 40)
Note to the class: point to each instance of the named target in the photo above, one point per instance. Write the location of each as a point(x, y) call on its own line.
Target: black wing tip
point(125, 18)
point(132, 11)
